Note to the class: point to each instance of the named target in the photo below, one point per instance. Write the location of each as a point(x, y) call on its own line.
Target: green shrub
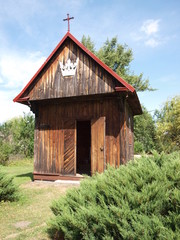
point(138, 201)
point(138, 147)
point(8, 191)
point(5, 150)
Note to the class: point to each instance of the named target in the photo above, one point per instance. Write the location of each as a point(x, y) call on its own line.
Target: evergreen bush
point(8, 191)
point(138, 201)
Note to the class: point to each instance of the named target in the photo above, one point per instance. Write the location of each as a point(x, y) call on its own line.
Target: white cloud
point(17, 69)
point(149, 33)
point(8, 108)
point(150, 26)
point(152, 42)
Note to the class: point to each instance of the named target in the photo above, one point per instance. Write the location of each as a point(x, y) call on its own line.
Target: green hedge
point(8, 191)
point(138, 201)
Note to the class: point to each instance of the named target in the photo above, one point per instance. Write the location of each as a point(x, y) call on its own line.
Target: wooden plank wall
point(50, 132)
point(69, 128)
point(129, 133)
point(90, 78)
point(98, 148)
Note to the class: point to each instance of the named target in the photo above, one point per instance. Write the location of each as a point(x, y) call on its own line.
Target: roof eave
point(16, 99)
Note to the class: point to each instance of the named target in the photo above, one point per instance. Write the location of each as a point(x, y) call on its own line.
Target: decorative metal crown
point(69, 68)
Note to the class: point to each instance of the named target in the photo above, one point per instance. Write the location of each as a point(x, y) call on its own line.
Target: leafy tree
point(168, 125)
point(144, 132)
point(17, 136)
point(86, 41)
point(6, 147)
point(23, 134)
point(118, 57)
point(5, 151)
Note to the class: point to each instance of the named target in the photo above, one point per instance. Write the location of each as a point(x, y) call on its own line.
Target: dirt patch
point(15, 235)
point(60, 186)
point(22, 224)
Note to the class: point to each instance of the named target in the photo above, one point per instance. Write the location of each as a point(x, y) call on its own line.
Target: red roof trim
point(41, 68)
point(108, 69)
point(121, 89)
point(68, 34)
point(24, 99)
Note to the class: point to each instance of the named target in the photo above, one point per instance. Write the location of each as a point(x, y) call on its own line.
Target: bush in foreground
point(8, 191)
point(138, 201)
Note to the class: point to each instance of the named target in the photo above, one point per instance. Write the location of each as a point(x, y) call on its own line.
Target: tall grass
point(138, 201)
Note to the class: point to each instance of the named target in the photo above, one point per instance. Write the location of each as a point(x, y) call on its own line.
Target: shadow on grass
point(26, 175)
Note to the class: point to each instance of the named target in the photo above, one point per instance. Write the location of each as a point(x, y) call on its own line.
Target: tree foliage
point(144, 132)
point(88, 43)
point(118, 57)
point(17, 136)
point(23, 134)
point(168, 125)
point(138, 201)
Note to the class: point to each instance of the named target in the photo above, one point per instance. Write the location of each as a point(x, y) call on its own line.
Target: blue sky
point(31, 29)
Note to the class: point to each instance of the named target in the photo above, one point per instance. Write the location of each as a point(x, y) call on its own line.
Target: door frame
point(97, 165)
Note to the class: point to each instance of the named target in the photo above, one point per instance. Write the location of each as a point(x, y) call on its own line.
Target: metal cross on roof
point(68, 19)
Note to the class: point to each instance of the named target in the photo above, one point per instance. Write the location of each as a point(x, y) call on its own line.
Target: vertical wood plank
point(40, 142)
point(93, 147)
point(62, 146)
point(97, 145)
point(36, 150)
point(69, 147)
point(90, 77)
point(75, 147)
point(54, 140)
point(107, 133)
point(47, 136)
point(51, 139)
point(43, 158)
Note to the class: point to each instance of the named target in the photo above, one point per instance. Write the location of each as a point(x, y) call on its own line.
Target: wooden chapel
point(83, 114)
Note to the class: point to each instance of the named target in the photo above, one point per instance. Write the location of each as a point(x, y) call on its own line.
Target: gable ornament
point(69, 69)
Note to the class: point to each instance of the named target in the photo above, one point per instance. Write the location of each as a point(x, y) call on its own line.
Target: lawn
point(28, 217)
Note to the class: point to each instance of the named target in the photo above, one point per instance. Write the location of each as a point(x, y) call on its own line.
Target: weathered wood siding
point(55, 134)
point(129, 133)
point(90, 78)
point(98, 149)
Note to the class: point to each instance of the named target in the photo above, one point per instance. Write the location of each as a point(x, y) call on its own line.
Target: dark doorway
point(83, 147)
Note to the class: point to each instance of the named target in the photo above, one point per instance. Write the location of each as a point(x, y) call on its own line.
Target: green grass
point(21, 170)
point(33, 205)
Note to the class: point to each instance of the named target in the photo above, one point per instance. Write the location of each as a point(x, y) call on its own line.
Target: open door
point(98, 145)
point(69, 156)
point(83, 155)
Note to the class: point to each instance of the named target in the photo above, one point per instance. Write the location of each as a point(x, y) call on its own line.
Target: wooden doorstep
point(54, 177)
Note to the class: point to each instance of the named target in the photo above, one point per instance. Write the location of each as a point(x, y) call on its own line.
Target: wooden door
point(98, 145)
point(69, 156)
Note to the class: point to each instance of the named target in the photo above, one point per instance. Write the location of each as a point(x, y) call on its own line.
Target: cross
point(68, 19)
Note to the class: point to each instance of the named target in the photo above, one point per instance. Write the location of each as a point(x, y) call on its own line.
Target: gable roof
point(127, 87)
